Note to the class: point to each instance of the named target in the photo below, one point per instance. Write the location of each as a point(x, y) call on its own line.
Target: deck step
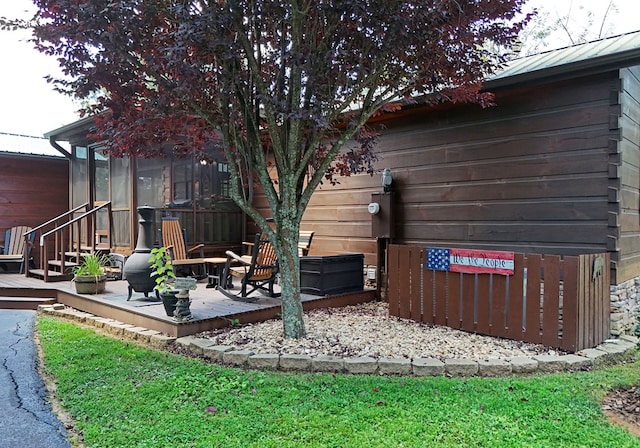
point(52, 276)
point(56, 265)
point(24, 303)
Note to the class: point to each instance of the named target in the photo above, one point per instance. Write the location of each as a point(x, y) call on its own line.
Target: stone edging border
point(608, 353)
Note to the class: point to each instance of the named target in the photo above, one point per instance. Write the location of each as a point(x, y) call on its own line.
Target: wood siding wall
point(532, 174)
point(553, 168)
point(627, 220)
point(33, 189)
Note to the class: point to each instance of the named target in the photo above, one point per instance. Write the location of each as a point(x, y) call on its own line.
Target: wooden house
point(33, 187)
point(552, 168)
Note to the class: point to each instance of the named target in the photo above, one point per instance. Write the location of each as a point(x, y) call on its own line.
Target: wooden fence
point(557, 301)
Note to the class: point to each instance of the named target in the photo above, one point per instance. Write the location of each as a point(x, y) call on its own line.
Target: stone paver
point(161, 340)
point(548, 363)
point(428, 367)
point(362, 365)
point(215, 352)
point(264, 361)
point(236, 357)
point(494, 367)
point(575, 362)
point(460, 367)
point(327, 364)
point(597, 357)
point(394, 366)
point(199, 345)
point(295, 362)
point(522, 364)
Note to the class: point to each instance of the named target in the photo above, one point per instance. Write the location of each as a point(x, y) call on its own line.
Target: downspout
point(60, 149)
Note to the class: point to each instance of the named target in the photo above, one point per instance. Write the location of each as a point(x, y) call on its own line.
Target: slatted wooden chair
point(173, 238)
point(304, 242)
point(14, 247)
point(259, 273)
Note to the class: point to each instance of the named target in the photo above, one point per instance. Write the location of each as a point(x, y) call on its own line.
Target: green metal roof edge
point(590, 57)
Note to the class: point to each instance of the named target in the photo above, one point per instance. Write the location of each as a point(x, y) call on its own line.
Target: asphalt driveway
point(26, 418)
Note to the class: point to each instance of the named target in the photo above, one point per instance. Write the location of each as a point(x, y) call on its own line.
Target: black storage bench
point(331, 274)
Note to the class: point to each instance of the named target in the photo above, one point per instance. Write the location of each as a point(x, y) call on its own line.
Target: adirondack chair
point(14, 247)
point(259, 273)
point(173, 238)
point(304, 242)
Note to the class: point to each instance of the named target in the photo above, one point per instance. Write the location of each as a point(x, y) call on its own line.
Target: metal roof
point(26, 144)
point(73, 130)
point(611, 52)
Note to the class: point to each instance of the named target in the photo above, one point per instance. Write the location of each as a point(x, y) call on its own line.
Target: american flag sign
point(470, 261)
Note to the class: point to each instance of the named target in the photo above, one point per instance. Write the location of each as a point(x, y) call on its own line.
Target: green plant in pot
point(162, 270)
point(89, 276)
point(173, 291)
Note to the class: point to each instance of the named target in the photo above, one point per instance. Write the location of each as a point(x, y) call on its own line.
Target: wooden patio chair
point(173, 238)
point(259, 273)
point(14, 247)
point(304, 242)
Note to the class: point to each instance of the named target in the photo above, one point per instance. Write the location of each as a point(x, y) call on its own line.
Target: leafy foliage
point(91, 264)
point(284, 88)
point(162, 269)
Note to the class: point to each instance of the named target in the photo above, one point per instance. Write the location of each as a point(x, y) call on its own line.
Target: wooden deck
point(210, 309)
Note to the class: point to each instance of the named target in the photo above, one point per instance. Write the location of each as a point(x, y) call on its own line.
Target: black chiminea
point(137, 268)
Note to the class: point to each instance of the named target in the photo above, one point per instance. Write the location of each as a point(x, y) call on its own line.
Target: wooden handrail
point(54, 221)
point(74, 220)
point(51, 221)
point(60, 231)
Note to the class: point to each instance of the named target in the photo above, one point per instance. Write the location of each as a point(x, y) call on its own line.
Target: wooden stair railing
point(68, 242)
point(52, 223)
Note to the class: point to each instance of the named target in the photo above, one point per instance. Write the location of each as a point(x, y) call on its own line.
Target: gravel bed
point(367, 330)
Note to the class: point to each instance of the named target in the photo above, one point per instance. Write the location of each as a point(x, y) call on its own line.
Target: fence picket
point(498, 326)
point(442, 297)
point(532, 305)
point(454, 297)
point(551, 300)
point(404, 289)
point(416, 262)
point(484, 302)
point(393, 279)
point(469, 302)
point(428, 297)
point(570, 291)
point(515, 298)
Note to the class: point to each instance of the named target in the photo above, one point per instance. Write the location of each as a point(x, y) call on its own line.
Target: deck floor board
point(210, 309)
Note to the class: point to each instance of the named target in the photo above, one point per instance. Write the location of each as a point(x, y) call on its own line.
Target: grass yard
point(123, 395)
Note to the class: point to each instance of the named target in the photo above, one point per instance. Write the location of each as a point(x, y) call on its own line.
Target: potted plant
point(89, 276)
point(162, 270)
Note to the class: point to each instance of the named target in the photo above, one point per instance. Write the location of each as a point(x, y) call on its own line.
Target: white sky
point(29, 105)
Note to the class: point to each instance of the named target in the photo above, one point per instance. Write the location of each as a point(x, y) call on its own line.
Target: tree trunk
point(289, 263)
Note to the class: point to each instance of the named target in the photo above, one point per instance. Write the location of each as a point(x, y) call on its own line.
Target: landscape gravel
point(368, 330)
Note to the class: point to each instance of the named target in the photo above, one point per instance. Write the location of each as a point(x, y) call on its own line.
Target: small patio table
point(214, 267)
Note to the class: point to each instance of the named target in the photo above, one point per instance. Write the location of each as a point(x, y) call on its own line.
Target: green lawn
point(124, 395)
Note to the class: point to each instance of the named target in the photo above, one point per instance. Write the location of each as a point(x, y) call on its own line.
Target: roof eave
point(579, 68)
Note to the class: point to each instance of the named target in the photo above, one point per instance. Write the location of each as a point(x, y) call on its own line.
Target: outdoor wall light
point(387, 180)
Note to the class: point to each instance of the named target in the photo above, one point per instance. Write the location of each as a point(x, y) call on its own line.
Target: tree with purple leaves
point(285, 88)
